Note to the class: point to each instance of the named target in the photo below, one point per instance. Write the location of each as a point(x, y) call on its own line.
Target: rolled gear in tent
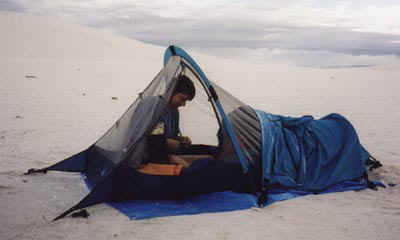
point(310, 154)
point(300, 153)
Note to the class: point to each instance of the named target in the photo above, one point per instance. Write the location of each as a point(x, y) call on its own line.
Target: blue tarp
point(308, 154)
point(217, 202)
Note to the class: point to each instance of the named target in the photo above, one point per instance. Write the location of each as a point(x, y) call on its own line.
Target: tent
point(258, 150)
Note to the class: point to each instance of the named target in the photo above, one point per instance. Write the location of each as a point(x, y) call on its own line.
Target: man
point(177, 176)
point(184, 91)
point(165, 141)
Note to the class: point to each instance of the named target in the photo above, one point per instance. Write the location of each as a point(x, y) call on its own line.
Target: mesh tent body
point(257, 147)
point(124, 144)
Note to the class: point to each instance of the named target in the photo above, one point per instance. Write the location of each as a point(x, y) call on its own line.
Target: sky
point(310, 33)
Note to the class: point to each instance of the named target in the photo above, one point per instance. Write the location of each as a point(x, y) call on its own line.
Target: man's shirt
point(168, 124)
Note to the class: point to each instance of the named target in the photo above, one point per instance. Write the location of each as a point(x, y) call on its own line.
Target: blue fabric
point(309, 154)
point(171, 123)
point(217, 202)
point(206, 203)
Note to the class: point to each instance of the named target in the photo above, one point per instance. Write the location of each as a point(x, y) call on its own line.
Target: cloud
point(352, 28)
point(216, 33)
point(9, 5)
point(304, 58)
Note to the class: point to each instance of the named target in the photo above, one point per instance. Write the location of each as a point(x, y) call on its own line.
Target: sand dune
point(63, 85)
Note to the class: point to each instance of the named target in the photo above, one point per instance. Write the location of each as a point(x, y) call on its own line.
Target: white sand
point(57, 81)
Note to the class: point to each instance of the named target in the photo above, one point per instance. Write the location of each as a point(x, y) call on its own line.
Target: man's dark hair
point(185, 86)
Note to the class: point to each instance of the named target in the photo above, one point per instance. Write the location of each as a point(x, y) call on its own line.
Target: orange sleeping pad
point(161, 169)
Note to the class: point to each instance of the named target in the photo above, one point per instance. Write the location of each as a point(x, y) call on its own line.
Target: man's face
point(178, 100)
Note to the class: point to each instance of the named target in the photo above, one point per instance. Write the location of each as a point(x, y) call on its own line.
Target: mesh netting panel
point(228, 101)
point(247, 129)
point(245, 125)
point(117, 143)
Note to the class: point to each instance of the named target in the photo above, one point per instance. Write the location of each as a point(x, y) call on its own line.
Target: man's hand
point(175, 145)
point(186, 140)
point(178, 160)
